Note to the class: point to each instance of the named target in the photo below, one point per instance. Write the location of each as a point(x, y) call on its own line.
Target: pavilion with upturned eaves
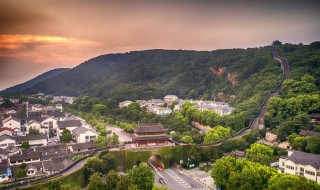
point(150, 135)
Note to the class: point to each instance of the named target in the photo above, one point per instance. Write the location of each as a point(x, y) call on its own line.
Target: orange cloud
point(48, 49)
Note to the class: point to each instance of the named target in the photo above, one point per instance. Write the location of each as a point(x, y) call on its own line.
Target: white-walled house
point(46, 124)
point(35, 125)
point(82, 135)
point(12, 123)
point(159, 110)
point(7, 141)
point(34, 140)
point(6, 131)
point(30, 157)
point(68, 124)
point(301, 163)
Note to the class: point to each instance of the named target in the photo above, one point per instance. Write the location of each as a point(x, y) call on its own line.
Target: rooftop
point(4, 137)
point(308, 133)
point(30, 155)
point(149, 128)
point(81, 130)
point(30, 137)
point(88, 145)
point(69, 123)
point(304, 158)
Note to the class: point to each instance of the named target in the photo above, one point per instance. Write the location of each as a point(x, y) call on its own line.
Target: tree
point(300, 143)
point(124, 183)
point(259, 149)
point(313, 144)
point(33, 131)
point(252, 176)
point(66, 136)
point(187, 139)
point(134, 106)
point(222, 170)
point(260, 153)
point(216, 134)
point(142, 176)
point(292, 137)
point(95, 182)
point(162, 187)
point(102, 141)
point(291, 182)
point(19, 173)
point(232, 173)
point(110, 162)
point(68, 187)
point(96, 164)
point(99, 109)
point(111, 180)
point(234, 144)
point(114, 139)
point(25, 145)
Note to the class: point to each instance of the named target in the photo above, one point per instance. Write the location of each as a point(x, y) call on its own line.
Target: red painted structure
point(150, 135)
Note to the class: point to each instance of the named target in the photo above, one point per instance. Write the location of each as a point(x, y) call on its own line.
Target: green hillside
point(155, 73)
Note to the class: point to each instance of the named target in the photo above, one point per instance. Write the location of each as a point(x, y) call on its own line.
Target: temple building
point(150, 135)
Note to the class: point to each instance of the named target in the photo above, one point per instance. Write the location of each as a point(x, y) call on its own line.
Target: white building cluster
point(161, 107)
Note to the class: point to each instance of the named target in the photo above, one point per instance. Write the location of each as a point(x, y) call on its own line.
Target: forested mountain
point(300, 96)
point(155, 73)
point(24, 86)
point(249, 74)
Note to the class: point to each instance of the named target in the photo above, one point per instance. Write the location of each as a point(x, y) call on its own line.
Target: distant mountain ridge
point(26, 85)
point(155, 73)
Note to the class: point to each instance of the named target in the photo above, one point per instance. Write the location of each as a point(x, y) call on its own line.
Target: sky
point(37, 36)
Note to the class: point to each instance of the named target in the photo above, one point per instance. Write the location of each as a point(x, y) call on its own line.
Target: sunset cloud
point(36, 36)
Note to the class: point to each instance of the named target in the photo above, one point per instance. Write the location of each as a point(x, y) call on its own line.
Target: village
point(35, 143)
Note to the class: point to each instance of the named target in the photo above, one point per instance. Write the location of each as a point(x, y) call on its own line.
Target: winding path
point(258, 121)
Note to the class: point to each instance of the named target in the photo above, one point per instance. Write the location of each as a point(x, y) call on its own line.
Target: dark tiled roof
point(81, 130)
point(52, 149)
point(4, 137)
point(31, 155)
point(304, 158)
point(38, 165)
point(30, 137)
point(315, 115)
point(69, 123)
point(149, 128)
point(52, 156)
point(50, 108)
point(37, 119)
point(55, 165)
point(55, 114)
point(238, 153)
point(150, 137)
point(308, 133)
point(88, 145)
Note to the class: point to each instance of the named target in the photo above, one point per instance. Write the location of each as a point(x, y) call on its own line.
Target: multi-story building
point(301, 163)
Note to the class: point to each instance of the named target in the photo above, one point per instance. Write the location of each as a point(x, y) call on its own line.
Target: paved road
point(123, 136)
point(175, 180)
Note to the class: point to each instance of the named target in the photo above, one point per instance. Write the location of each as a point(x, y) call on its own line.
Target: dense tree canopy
point(230, 173)
point(142, 176)
point(216, 134)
